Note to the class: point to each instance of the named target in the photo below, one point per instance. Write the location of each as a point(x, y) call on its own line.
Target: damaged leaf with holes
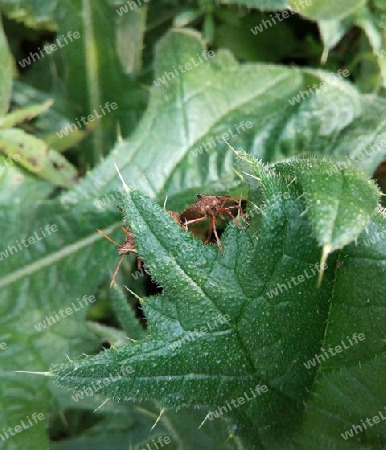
point(31, 152)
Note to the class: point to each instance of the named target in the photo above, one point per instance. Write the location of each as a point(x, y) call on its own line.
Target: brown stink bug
point(210, 207)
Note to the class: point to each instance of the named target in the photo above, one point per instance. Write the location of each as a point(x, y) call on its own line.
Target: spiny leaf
point(340, 202)
point(215, 305)
point(258, 302)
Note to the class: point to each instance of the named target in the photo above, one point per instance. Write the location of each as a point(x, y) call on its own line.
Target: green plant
point(254, 329)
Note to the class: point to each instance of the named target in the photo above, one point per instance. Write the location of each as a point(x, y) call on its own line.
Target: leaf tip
point(322, 264)
point(125, 186)
point(46, 374)
point(100, 406)
point(133, 293)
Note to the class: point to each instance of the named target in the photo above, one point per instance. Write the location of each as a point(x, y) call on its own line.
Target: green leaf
point(38, 280)
point(99, 53)
point(328, 9)
point(21, 186)
point(372, 22)
point(244, 98)
point(327, 116)
point(25, 302)
point(350, 386)
point(340, 201)
point(256, 301)
point(331, 32)
point(204, 288)
point(32, 13)
point(125, 315)
point(269, 5)
point(20, 115)
point(134, 428)
point(34, 155)
point(91, 42)
point(5, 73)
point(334, 120)
point(130, 33)
point(45, 126)
point(185, 17)
point(77, 255)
